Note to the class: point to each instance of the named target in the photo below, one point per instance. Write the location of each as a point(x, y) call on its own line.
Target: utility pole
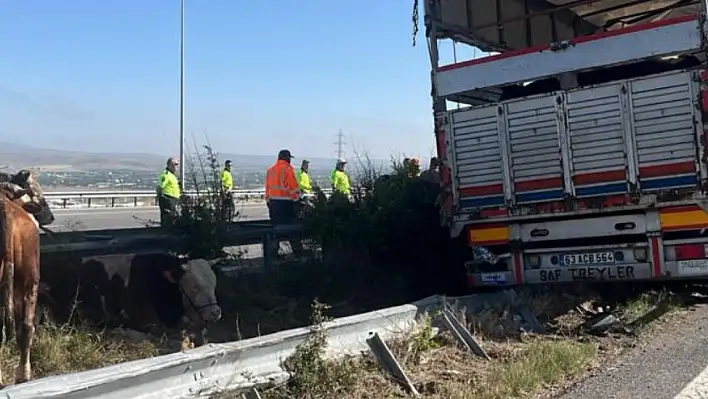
point(181, 94)
point(340, 144)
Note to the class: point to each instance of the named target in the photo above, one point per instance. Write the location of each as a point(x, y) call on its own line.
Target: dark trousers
point(283, 212)
point(228, 206)
point(168, 210)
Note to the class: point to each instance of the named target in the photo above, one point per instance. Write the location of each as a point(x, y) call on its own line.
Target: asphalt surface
point(118, 218)
point(670, 365)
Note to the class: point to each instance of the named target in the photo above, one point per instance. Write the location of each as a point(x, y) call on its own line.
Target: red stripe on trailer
point(667, 170)
point(482, 190)
point(490, 213)
point(583, 203)
point(634, 29)
point(599, 177)
point(540, 184)
point(656, 256)
point(496, 57)
point(694, 226)
point(577, 40)
point(518, 269)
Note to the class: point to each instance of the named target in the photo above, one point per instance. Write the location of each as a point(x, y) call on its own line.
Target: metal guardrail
point(99, 242)
point(88, 197)
point(234, 365)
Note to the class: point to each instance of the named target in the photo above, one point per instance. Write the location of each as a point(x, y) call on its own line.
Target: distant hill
point(14, 156)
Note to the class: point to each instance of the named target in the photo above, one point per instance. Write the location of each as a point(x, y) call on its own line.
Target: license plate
point(693, 267)
point(589, 258)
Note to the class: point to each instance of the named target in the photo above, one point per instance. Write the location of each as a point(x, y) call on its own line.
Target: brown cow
point(22, 209)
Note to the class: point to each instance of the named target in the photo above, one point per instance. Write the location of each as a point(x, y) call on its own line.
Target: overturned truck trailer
point(578, 151)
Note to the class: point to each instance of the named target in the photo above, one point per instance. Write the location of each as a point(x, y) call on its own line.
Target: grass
point(61, 349)
point(523, 365)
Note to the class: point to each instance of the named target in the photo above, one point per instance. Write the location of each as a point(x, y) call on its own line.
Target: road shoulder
point(663, 361)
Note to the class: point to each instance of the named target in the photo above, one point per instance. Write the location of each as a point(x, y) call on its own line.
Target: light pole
point(181, 94)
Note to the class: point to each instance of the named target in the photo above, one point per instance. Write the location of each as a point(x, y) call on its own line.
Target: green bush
point(395, 221)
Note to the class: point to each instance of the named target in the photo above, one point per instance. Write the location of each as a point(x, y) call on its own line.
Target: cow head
point(25, 189)
point(197, 282)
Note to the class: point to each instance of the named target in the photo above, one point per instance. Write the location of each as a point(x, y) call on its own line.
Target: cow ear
point(169, 277)
point(185, 266)
point(31, 207)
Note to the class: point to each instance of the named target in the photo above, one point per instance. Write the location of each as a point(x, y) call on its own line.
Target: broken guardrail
point(239, 365)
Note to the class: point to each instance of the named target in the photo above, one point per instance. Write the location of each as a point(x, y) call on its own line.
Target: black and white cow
point(145, 292)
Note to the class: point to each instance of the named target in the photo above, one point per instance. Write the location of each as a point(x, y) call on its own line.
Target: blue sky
point(103, 76)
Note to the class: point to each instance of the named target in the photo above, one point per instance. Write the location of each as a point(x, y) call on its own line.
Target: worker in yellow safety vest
point(303, 177)
point(339, 179)
point(227, 184)
point(168, 193)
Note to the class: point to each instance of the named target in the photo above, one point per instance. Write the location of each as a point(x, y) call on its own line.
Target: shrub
point(202, 222)
point(394, 221)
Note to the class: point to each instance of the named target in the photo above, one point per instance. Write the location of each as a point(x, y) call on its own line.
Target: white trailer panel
point(667, 37)
point(588, 142)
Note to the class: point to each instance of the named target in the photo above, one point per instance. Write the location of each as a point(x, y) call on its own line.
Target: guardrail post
point(113, 202)
point(63, 203)
point(135, 202)
point(88, 202)
point(388, 362)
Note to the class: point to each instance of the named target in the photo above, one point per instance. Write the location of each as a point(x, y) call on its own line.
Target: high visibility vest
point(227, 181)
point(340, 182)
point(168, 185)
point(303, 181)
point(280, 183)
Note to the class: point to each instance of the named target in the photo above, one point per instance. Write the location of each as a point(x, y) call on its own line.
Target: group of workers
point(284, 187)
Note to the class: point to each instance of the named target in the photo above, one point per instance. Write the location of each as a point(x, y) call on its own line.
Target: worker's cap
point(228, 162)
point(341, 160)
point(285, 154)
point(305, 162)
point(172, 161)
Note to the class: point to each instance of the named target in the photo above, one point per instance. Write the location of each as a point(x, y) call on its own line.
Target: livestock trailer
point(578, 149)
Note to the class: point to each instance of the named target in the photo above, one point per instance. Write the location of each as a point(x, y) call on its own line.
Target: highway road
point(672, 364)
point(117, 218)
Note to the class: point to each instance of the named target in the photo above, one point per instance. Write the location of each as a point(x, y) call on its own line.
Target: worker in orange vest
point(282, 192)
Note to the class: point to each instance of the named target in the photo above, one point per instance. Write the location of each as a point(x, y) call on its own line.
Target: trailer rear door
point(638, 135)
